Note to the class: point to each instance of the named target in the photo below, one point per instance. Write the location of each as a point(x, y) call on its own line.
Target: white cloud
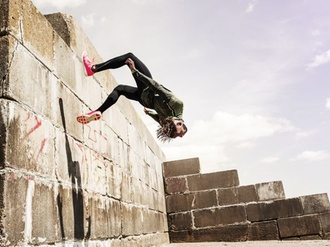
point(327, 104)
point(304, 134)
point(312, 156)
point(212, 137)
point(270, 159)
point(88, 20)
point(230, 128)
point(319, 60)
point(250, 7)
point(59, 4)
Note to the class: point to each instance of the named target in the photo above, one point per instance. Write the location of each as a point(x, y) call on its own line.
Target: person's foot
point(88, 117)
point(88, 64)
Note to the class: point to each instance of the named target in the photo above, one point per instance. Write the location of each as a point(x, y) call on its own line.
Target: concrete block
point(30, 139)
point(71, 203)
point(263, 231)
point(179, 202)
point(180, 221)
point(274, 210)
point(129, 226)
point(181, 167)
point(270, 191)
point(104, 217)
point(204, 199)
point(154, 221)
point(325, 222)
point(176, 185)
point(315, 203)
point(233, 233)
point(27, 80)
point(186, 202)
point(42, 231)
point(299, 226)
point(219, 216)
point(24, 21)
point(13, 195)
point(214, 180)
point(237, 195)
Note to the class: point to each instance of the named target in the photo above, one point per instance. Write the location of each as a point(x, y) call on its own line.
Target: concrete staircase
point(214, 207)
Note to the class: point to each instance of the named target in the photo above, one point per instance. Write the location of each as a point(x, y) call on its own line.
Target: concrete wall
point(62, 182)
point(214, 207)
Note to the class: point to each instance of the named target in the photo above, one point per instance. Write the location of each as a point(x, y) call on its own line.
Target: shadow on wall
point(76, 190)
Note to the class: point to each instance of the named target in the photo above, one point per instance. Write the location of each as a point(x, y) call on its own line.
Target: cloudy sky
point(253, 74)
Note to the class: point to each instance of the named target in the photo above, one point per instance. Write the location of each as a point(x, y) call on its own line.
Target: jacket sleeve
point(154, 86)
point(153, 114)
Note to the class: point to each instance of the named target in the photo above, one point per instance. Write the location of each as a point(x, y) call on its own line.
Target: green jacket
point(162, 100)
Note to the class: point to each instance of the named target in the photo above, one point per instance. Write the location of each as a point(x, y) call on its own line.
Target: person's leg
point(119, 61)
point(128, 91)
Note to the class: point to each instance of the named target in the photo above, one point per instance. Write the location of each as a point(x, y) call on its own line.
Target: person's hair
point(167, 129)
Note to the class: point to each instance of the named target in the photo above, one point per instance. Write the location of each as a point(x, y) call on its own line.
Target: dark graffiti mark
point(77, 192)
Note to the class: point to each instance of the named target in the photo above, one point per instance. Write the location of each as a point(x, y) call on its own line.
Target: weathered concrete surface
point(319, 243)
point(62, 183)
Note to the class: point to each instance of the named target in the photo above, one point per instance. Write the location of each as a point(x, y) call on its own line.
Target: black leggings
point(132, 93)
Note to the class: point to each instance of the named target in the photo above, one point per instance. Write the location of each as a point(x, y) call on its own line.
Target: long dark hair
point(166, 130)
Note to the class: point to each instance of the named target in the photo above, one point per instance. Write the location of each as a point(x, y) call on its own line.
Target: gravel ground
point(316, 243)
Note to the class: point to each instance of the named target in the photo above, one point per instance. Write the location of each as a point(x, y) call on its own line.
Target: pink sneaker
point(88, 64)
point(88, 117)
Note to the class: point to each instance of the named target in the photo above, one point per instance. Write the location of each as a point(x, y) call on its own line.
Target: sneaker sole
point(87, 119)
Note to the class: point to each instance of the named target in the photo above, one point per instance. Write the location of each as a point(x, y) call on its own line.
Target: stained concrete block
point(214, 180)
point(325, 222)
point(180, 221)
point(299, 226)
point(104, 217)
point(237, 195)
point(235, 233)
point(315, 203)
point(24, 21)
point(13, 188)
point(186, 202)
point(29, 140)
point(179, 202)
point(204, 199)
point(263, 231)
point(274, 210)
point(132, 219)
point(181, 167)
point(219, 216)
point(176, 185)
point(71, 205)
point(42, 231)
point(270, 191)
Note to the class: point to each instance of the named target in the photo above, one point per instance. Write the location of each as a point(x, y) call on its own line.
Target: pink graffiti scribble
point(93, 135)
point(41, 147)
point(38, 124)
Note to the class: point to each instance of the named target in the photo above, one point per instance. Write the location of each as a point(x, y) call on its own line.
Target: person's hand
point(130, 64)
point(145, 110)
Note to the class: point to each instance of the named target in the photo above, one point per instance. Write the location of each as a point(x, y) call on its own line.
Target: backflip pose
point(163, 106)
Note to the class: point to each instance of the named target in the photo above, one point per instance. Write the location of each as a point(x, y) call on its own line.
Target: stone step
point(191, 200)
point(272, 220)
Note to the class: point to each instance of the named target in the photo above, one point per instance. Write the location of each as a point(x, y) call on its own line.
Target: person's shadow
point(77, 191)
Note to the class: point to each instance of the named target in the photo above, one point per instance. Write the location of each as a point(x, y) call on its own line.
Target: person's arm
point(141, 77)
point(152, 114)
